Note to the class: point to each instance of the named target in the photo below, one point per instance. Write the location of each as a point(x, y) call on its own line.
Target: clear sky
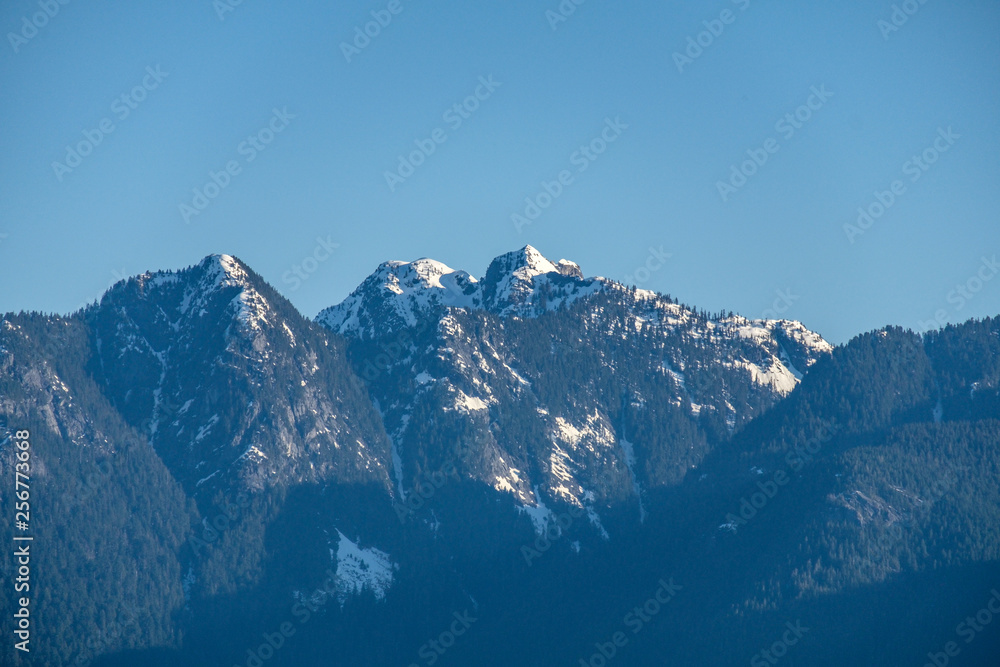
point(885, 96)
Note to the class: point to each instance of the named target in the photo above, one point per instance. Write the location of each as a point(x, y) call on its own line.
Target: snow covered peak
point(223, 271)
point(397, 293)
point(525, 283)
point(227, 268)
point(212, 272)
point(424, 273)
point(523, 264)
point(522, 283)
point(201, 289)
point(531, 261)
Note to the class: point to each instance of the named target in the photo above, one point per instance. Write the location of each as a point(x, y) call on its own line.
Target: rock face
point(230, 384)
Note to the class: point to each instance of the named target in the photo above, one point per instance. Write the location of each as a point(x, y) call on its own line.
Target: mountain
point(450, 470)
point(193, 358)
point(398, 293)
point(109, 521)
point(559, 386)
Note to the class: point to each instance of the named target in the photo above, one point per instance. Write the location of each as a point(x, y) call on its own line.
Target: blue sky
point(887, 96)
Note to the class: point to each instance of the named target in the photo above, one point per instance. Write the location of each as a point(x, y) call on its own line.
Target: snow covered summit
point(522, 283)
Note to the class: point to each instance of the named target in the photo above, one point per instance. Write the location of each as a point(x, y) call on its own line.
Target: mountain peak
point(514, 282)
point(220, 270)
point(226, 267)
point(397, 292)
point(217, 284)
point(423, 273)
point(536, 263)
point(214, 271)
point(527, 260)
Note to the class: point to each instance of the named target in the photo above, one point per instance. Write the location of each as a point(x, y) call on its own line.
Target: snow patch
point(465, 403)
point(540, 515)
point(775, 376)
point(359, 569)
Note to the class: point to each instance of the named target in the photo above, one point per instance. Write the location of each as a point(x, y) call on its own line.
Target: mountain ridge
point(555, 437)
